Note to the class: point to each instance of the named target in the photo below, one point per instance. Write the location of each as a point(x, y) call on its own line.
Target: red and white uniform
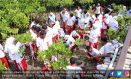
point(13, 51)
point(55, 28)
point(49, 36)
point(75, 35)
point(94, 35)
point(105, 21)
point(3, 57)
point(69, 24)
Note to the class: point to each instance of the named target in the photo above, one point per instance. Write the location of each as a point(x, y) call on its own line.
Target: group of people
point(70, 28)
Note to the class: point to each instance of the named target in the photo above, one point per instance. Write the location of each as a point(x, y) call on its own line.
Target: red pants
point(69, 29)
point(24, 64)
point(5, 61)
point(63, 24)
point(55, 38)
point(103, 31)
point(94, 45)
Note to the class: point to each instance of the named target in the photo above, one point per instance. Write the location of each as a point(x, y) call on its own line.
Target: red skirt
point(55, 38)
point(24, 64)
point(5, 61)
point(68, 29)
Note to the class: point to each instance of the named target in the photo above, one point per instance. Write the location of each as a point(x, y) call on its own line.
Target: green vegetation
point(2, 67)
point(58, 50)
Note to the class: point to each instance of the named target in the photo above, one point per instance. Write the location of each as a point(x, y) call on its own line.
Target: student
point(12, 48)
point(78, 12)
point(61, 33)
point(3, 57)
point(37, 30)
point(98, 10)
point(94, 35)
point(73, 70)
point(105, 52)
point(75, 35)
point(70, 23)
point(41, 42)
point(51, 19)
point(49, 34)
point(105, 21)
point(33, 32)
point(64, 16)
point(70, 41)
point(55, 28)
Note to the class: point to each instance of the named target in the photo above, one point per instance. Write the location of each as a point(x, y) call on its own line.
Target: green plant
point(121, 33)
point(58, 50)
point(2, 67)
point(60, 64)
point(24, 38)
point(79, 42)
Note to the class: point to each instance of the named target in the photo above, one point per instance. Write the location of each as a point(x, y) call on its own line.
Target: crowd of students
point(70, 28)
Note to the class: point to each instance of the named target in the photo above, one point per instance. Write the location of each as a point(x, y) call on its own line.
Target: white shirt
point(94, 34)
point(94, 52)
point(2, 54)
point(13, 51)
point(78, 12)
point(107, 48)
point(52, 19)
point(65, 16)
point(55, 28)
point(81, 23)
point(61, 32)
point(33, 35)
point(98, 11)
point(41, 44)
point(70, 21)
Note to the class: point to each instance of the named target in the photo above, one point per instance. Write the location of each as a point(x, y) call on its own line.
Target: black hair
point(42, 32)
point(106, 11)
point(85, 11)
point(44, 26)
point(78, 62)
point(73, 60)
point(104, 38)
point(33, 27)
point(71, 14)
point(37, 21)
point(37, 29)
